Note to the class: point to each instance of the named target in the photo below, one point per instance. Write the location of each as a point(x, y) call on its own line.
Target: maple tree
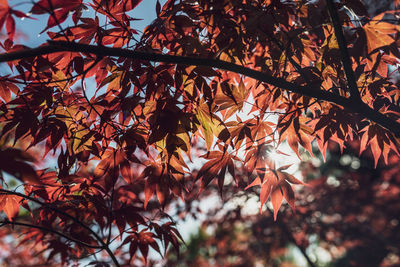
point(104, 128)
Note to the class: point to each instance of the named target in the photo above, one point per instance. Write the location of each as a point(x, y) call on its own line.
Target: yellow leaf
point(210, 124)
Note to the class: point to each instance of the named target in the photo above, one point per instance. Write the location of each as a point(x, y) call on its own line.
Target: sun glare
point(282, 156)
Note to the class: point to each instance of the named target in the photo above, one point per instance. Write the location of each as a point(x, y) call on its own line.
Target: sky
point(31, 28)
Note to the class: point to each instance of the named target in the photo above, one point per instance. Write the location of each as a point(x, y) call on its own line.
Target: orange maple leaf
point(378, 33)
point(10, 205)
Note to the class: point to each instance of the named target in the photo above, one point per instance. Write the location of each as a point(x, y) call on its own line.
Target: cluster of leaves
point(119, 120)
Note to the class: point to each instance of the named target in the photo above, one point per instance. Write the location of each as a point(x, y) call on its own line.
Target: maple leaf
point(210, 123)
point(216, 167)
point(296, 132)
point(230, 98)
point(6, 13)
point(378, 33)
point(162, 182)
point(10, 205)
point(277, 185)
point(57, 9)
point(13, 161)
point(5, 90)
point(380, 141)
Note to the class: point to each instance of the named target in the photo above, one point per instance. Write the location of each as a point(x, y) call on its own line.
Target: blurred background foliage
point(347, 216)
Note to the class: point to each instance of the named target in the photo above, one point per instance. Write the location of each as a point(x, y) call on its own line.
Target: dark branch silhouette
point(347, 103)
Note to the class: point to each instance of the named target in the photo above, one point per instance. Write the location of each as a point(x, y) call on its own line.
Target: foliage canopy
point(104, 127)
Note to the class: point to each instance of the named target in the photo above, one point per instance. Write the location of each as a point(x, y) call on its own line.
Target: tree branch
point(76, 220)
point(314, 92)
point(45, 229)
point(344, 53)
point(289, 234)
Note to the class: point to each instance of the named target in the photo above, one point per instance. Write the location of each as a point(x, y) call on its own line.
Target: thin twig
point(45, 229)
point(76, 220)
